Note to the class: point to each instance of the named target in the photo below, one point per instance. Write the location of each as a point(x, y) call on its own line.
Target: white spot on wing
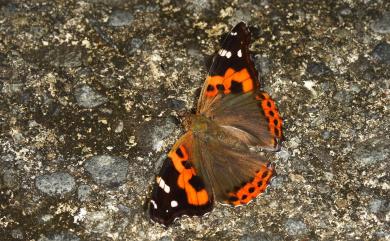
point(223, 52)
point(154, 204)
point(167, 189)
point(228, 54)
point(233, 33)
point(239, 53)
point(163, 185)
point(174, 203)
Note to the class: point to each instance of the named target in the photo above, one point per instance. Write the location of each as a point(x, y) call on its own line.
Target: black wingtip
point(241, 26)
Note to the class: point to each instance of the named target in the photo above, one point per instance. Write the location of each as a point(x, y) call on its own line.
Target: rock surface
point(93, 93)
point(88, 98)
point(107, 170)
point(56, 184)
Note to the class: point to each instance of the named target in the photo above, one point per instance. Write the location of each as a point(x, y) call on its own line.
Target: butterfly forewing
point(234, 53)
point(232, 70)
point(251, 117)
point(179, 190)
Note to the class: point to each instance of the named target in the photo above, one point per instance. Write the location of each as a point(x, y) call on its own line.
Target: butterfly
point(214, 160)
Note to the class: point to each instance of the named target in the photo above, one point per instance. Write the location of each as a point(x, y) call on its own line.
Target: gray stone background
point(92, 94)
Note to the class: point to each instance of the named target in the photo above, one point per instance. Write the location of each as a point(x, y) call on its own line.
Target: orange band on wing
point(178, 156)
point(253, 188)
point(271, 113)
point(231, 82)
point(196, 195)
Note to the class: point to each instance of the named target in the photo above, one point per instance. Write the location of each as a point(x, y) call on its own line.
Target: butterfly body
point(208, 132)
point(200, 124)
point(214, 160)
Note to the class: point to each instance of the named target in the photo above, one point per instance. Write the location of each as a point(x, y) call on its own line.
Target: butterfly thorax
point(210, 132)
point(200, 124)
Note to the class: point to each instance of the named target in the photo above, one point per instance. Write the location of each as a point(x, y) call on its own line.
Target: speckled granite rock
point(107, 170)
point(86, 79)
point(87, 97)
point(56, 184)
point(120, 18)
point(382, 24)
point(381, 53)
point(63, 236)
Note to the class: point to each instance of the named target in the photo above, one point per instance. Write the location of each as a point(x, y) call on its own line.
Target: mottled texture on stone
point(10, 179)
point(107, 170)
point(378, 206)
point(151, 134)
point(17, 234)
point(295, 227)
point(263, 64)
point(136, 43)
point(165, 238)
point(87, 97)
point(381, 53)
point(120, 18)
point(63, 236)
point(66, 56)
point(382, 24)
point(84, 192)
point(317, 69)
point(364, 69)
point(175, 104)
point(99, 221)
point(55, 184)
point(372, 151)
point(260, 236)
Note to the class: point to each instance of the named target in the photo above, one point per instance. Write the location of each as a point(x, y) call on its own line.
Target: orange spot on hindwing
point(188, 180)
point(252, 188)
point(271, 113)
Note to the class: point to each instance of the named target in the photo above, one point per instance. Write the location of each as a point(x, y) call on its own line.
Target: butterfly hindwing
point(229, 166)
point(251, 117)
point(271, 114)
point(249, 190)
point(178, 190)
